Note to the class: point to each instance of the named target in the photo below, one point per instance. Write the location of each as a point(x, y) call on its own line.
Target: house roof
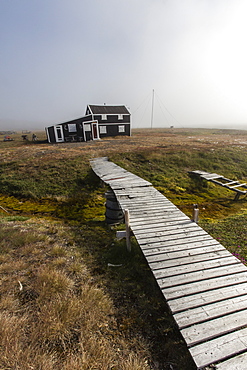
point(108, 109)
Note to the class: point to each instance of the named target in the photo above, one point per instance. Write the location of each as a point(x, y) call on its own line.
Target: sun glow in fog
point(226, 57)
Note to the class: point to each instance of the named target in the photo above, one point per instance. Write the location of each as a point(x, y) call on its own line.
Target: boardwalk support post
point(237, 196)
point(195, 213)
point(127, 226)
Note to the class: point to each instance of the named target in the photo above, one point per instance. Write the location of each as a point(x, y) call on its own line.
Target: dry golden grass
point(142, 139)
point(52, 313)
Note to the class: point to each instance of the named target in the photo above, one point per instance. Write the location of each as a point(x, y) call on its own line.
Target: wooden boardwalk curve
point(204, 285)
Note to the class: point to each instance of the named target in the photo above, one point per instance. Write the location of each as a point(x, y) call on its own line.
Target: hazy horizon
point(58, 56)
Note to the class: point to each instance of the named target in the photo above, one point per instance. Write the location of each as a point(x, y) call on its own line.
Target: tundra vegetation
point(71, 296)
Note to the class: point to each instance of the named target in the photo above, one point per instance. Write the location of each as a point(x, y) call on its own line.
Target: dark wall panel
point(112, 119)
point(51, 134)
point(113, 130)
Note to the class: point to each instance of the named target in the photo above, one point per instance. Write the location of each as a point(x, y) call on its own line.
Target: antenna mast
point(152, 113)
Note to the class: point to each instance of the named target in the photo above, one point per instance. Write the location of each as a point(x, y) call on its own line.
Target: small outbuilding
point(99, 121)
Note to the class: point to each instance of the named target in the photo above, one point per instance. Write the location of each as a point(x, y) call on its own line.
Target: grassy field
point(62, 303)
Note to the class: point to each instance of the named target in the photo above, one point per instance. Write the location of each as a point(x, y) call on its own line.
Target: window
point(121, 128)
point(102, 129)
point(87, 127)
point(120, 116)
point(104, 116)
point(59, 133)
point(72, 127)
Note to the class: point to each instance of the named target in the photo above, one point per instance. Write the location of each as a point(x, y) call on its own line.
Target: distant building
point(99, 121)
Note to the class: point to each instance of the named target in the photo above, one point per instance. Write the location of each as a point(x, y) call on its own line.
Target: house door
point(59, 133)
point(95, 130)
point(91, 130)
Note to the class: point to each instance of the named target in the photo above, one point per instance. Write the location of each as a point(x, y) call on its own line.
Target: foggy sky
point(57, 56)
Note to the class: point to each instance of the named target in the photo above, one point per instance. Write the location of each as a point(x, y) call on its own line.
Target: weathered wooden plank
point(211, 178)
point(174, 222)
point(178, 258)
point(123, 184)
point(166, 208)
point(186, 243)
point(237, 185)
point(153, 213)
point(149, 192)
point(207, 330)
point(181, 239)
point(149, 196)
point(169, 236)
point(109, 169)
point(174, 246)
point(115, 172)
point(173, 217)
point(203, 298)
point(145, 206)
point(147, 201)
point(118, 185)
point(236, 363)
point(175, 235)
point(126, 182)
point(142, 227)
point(210, 311)
point(204, 275)
point(148, 189)
point(220, 348)
point(170, 229)
point(180, 254)
point(143, 193)
point(196, 266)
point(162, 263)
point(125, 194)
point(203, 286)
point(230, 183)
point(128, 196)
point(144, 197)
point(181, 242)
point(120, 176)
point(148, 210)
point(118, 173)
point(164, 214)
point(129, 192)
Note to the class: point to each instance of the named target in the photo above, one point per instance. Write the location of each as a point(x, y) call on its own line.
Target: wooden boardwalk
point(204, 285)
point(238, 187)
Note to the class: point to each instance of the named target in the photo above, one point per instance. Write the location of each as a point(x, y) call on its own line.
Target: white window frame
point(87, 127)
point(121, 128)
point(102, 129)
point(120, 116)
point(72, 127)
point(60, 129)
point(104, 117)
